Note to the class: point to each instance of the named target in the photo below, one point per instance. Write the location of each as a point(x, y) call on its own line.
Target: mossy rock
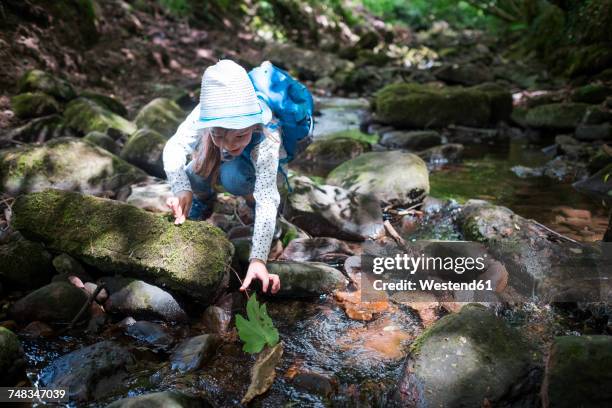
point(500, 98)
point(107, 102)
point(33, 105)
point(36, 80)
point(65, 163)
point(411, 140)
point(559, 116)
point(161, 115)
point(578, 372)
point(25, 264)
point(464, 74)
point(589, 60)
point(12, 362)
point(592, 93)
point(191, 260)
point(144, 149)
point(55, 303)
point(353, 134)
point(41, 129)
point(482, 221)
point(393, 177)
point(306, 279)
point(103, 140)
point(418, 106)
point(321, 156)
point(85, 115)
point(464, 359)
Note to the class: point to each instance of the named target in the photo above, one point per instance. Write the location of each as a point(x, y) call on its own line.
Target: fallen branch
point(87, 304)
point(393, 233)
point(554, 232)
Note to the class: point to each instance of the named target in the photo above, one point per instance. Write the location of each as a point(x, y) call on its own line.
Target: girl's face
point(232, 140)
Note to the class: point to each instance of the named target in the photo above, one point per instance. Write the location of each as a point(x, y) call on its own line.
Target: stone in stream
point(306, 279)
point(193, 352)
point(556, 116)
point(85, 115)
point(65, 163)
point(57, 302)
point(39, 81)
point(313, 249)
point(24, 264)
point(411, 140)
point(144, 149)
point(599, 184)
point(446, 153)
point(33, 105)
point(104, 141)
point(217, 319)
point(161, 115)
point(321, 156)
point(191, 260)
point(464, 359)
point(394, 177)
point(90, 373)
point(325, 210)
point(137, 298)
point(149, 333)
point(578, 372)
point(12, 360)
point(162, 399)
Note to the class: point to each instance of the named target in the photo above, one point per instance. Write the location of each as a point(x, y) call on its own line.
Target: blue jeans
point(237, 176)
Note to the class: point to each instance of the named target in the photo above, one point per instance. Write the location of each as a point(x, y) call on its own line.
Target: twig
point(393, 233)
point(554, 232)
point(237, 216)
point(85, 306)
point(246, 290)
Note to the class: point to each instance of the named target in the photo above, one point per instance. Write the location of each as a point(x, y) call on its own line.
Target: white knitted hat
point(228, 99)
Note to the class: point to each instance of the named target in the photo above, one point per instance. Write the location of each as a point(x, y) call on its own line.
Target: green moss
point(354, 134)
point(39, 81)
point(592, 93)
point(161, 115)
point(588, 60)
point(10, 351)
point(144, 149)
point(556, 115)
point(86, 116)
point(191, 259)
point(107, 102)
point(103, 140)
point(33, 104)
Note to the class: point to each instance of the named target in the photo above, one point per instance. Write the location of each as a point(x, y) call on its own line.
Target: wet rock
point(57, 302)
point(174, 399)
point(592, 93)
point(216, 319)
point(324, 210)
point(90, 373)
point(577, 372)
point(194, 352)
point(599, 159)
point(313, 249)
point(12, 360)
point(91, 288)
point(128, 241)
point(556, 116)
point(594, 132)
point(525, 172)
point(160, 115)
point(446, 153)
point(314, 383)
point(37, 80)
point(150, 195)
point(464, 74)
point(37, 329)
point(25, 264)
point(470, 347)
point(412, 140)
point(321, 156)
point(464, 134)
point(409, 105)
point(103, 140)
point(306, 279)
point(144, 149)
point(67, 164)
point(106, 101)
point(562, 168)
point(394, 177)
point(85, 115)
point(598, 184)
point(150, 333)
point(34, 105)
point(140, 299)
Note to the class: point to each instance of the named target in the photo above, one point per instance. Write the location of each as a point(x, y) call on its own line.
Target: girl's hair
point(207, 155)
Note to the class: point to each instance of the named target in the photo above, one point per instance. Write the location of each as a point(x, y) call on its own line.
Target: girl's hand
point(257, 270)
point(180, 206)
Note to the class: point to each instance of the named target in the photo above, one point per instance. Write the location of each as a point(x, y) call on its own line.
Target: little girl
point(232, 139)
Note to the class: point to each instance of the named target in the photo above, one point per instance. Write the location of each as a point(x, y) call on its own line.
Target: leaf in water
point(258, 330)
point(263, 372)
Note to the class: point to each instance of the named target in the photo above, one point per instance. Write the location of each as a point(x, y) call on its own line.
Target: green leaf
point(258, 330)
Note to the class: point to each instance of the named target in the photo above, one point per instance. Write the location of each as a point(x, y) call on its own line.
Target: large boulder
point(39, 81)
point(173, 399)
point(33, 104)
point(190, 260)
point(144, 149)
point(324, 210)
point(12, 362)
point(393, 177)
point(85, 115)
point(556, 116)
point(25, 264)
point(409, 105)
point(106, 101)
point(464, 359)
point(306, 279)
point(57, 302)
point(90, 373)
point(67, 164)
point(161, 115)
point(578, 372)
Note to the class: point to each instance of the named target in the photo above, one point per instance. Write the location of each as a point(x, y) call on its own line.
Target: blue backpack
point(291, 103)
